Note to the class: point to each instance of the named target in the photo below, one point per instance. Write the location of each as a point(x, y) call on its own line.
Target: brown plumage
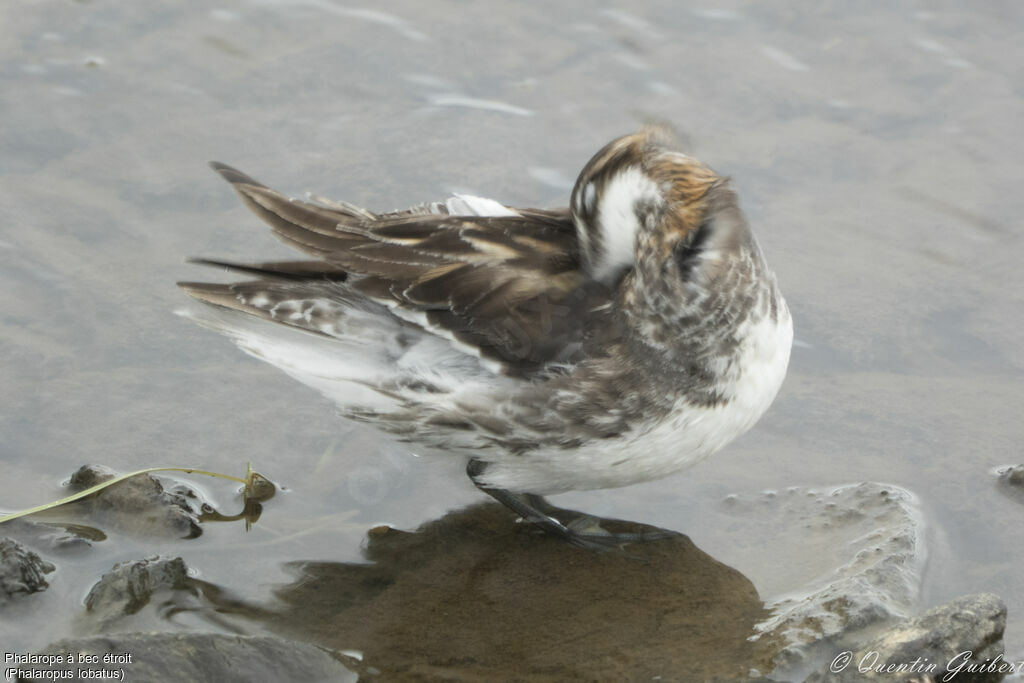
point(499, 284)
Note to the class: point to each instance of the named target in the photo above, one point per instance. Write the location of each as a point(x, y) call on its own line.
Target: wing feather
point(507, 287)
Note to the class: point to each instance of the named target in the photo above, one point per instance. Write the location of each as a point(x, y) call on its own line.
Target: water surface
point(876, 149)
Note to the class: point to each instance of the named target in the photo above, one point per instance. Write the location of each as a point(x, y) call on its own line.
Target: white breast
point(689, 434)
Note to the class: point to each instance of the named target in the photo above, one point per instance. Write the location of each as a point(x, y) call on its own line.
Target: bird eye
point(688, 250)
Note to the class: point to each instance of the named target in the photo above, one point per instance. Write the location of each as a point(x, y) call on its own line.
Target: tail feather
point(366, 362)
point(283, 270)
point(343, 373)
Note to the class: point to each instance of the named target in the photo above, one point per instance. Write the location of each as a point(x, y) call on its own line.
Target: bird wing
point(508, 288)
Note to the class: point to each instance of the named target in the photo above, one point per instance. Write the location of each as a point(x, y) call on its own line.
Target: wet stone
point(195, 657)
point(476, 596)
point(21, 571)
point(961, 639)
point(1011, 478)
point(130, 586)
point(869, 545)
point(140, 504)
point(56, 537)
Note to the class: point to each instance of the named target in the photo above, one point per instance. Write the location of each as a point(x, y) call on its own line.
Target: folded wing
point(506, 288)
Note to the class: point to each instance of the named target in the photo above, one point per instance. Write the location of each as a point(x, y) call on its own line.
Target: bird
point(618, 340)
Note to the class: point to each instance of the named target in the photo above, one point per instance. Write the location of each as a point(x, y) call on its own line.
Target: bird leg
point(581, 530)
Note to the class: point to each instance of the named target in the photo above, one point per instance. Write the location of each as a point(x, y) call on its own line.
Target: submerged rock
point(1011, 477)
point(960, 641)
point(55, 537)
point(476, 596)
point(21, 570)
point(129, 586)
point(140, 504)
point(868, 543)
point(197, 657)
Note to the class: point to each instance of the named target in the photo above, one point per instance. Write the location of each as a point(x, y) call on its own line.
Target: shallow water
point(876, 150)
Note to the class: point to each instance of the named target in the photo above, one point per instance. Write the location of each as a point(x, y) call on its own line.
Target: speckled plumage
point(612, 342)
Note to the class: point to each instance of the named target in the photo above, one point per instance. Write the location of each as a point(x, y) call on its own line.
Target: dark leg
point(537, 511)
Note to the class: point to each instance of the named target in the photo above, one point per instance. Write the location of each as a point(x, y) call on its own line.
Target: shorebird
point(615, 341)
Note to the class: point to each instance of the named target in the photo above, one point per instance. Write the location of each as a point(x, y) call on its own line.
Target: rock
point(140, 504)
point(476, 596)
point(962, 637)
point(868, 544)
point(56, 537)
point(129, 586)
point(1012, 478)
point(196, 657)
point(21, 570)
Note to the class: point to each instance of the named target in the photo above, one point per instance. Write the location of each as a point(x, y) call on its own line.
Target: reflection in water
point(477, 595)
point(251, 511)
